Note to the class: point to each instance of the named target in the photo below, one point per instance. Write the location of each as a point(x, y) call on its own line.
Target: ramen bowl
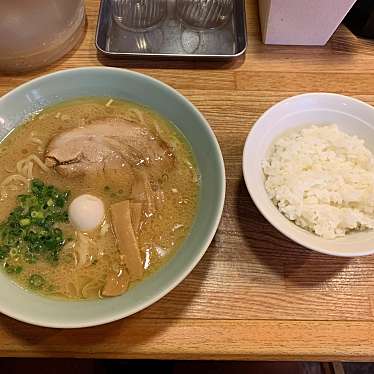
point(30, 98)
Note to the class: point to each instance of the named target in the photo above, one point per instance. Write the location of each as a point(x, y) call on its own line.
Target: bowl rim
point(257, 201)
point(21, 315)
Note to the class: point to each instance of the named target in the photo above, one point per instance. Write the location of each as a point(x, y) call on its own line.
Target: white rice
point(323, 180)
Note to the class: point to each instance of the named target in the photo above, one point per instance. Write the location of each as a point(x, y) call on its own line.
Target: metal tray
point(172, 39)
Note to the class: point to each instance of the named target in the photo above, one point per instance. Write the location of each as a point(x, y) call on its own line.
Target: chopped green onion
point(30, 258)
point(29, 231)
point(10, 269)
point(4, 251)
point(38, 215)
point(36, 281)
point(13, 252)
point(25, 222)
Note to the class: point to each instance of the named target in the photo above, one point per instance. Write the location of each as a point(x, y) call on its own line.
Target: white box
point(301, 22)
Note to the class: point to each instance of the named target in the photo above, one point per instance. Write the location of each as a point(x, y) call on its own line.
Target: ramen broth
point(160, 234)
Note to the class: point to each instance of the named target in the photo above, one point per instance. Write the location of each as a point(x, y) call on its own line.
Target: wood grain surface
point(255, 294)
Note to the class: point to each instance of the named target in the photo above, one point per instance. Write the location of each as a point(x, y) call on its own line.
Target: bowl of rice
point(308, 164)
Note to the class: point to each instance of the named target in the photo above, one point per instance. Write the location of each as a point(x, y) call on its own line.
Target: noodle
point(83, 286)
point(39, 162)
point(19, 167)
point(82, 254)
point(91, 289)
point(14, 178)
point(9, 170)
point(36, 141)
point(195, 176)
point(71, 290)
point(109, 103)
point(11, 179)
point(29, 170)
point(104, 229)
point(24, 174)
point(24, 169)
point(22, 166)
point(69, 245)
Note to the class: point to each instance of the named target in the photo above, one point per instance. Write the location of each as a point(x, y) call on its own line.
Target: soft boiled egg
point(86, 212)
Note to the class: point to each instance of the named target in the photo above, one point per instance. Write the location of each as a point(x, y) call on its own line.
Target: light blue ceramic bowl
point(17, 105)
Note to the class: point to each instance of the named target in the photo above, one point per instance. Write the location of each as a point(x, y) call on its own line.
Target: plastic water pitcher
point(35, 33)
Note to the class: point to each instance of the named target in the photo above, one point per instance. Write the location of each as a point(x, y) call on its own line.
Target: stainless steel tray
point(172, 39)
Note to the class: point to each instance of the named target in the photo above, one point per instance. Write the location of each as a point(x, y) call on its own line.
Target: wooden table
point(255, 294)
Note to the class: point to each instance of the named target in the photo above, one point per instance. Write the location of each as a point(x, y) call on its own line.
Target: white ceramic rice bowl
point(351, 116)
